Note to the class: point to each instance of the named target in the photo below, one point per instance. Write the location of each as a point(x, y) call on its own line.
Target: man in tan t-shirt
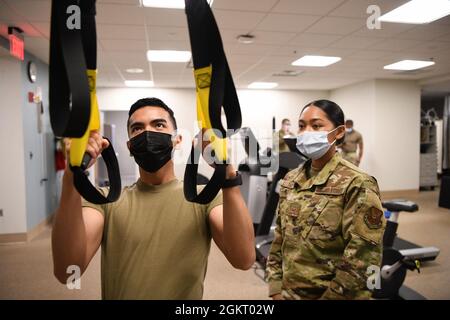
point(352, 142)
point(155, 244)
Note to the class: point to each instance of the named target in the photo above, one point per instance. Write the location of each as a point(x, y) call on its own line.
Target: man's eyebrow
point(136, 123)
point(158, 120)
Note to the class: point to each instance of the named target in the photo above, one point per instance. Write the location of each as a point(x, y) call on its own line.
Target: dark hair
point(285, 120)
point(151, 102)
point(349, 122)
point(333, 112)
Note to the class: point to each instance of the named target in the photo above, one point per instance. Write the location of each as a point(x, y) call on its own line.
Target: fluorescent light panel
point(168, 56)
point(139, 83)
point(316, 61)
point(407, 65)
point(418, 12)
point(263, 85)
point(170, 4)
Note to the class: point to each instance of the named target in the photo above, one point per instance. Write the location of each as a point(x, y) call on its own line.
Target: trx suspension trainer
point(214, 89)
point(74, 110)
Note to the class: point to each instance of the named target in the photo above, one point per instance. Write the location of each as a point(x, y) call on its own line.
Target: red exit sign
point(16, 44)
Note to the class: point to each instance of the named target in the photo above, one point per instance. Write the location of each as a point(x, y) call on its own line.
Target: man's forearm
point(238, 231)
point(68, 235)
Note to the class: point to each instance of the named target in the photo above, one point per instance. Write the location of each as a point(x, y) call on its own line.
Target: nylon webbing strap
point(74, 110)
point(214, 89)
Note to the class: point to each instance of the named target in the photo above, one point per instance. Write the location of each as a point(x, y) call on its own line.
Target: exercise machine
point(396, 262)
point(264, 232)
point(254, 178)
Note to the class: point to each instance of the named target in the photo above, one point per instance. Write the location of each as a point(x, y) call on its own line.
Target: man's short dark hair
point(151, 102)
point(349, 122)
point(285, 120)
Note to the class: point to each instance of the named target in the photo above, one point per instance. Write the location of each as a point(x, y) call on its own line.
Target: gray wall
point(38, 148)
point(41, 195)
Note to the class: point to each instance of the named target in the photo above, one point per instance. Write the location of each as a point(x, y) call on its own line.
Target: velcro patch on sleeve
point(374, 218)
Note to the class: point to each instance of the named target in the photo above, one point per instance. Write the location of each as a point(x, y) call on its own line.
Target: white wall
point(257, 106)
point(397, 134)
point(387, 113)
point(358, 103)
point(12, 168)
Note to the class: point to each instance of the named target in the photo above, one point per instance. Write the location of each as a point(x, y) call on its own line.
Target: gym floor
point(26, 269)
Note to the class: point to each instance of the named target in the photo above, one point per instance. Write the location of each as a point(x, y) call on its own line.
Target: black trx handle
point(215, 89)
point(90, 193)
point(73, 64)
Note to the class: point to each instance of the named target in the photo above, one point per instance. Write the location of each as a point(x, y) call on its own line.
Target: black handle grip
point(85, 161)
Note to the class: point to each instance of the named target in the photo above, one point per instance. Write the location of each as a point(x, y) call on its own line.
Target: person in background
point(352, 148)
point(284, 132)
point(330, 221)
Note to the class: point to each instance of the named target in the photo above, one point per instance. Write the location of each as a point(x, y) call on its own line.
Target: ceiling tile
point(315, 40)
point(169, 45)
point(444, 37)
point(335, 25)
point(316, 7)
point(425, 32)
point(163, 68)
point(124, 45)
point(43, 28)
point(120, 14)
point(286, 22)
point(7, 14)
point(354, 42)
point(261, 37)
point(369, 54)
point(31, 10)
point(123, 2)
point(387, 30)
point(253, 49)
point(117, 32)
point(358, 8)
point(247, 5)
point(237, 20)
point(157, 33)
point(165, 17)
point(395, 45)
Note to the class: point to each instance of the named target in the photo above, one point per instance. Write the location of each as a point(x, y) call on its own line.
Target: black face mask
point(151, 150)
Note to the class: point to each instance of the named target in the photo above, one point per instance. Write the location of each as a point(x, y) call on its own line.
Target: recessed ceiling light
point(139, 83)
point(170, 4)
point(263, 85)
point(134, 70)
point(418, 12)
point(246, 38)
point(316, 61)
point(168, 56)
point(407, 65)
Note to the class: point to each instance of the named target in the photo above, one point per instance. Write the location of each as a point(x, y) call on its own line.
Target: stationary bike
point(396, 262)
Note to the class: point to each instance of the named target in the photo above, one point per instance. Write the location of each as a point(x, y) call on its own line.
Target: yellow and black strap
point(215, 89)
point(74, 110)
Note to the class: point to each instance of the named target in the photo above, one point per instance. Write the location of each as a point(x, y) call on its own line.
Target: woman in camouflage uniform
point(330, 221)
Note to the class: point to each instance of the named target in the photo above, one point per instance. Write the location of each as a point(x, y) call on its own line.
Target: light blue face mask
point(314, 144)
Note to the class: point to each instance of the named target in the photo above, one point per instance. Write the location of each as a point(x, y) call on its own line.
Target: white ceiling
point(284, 31)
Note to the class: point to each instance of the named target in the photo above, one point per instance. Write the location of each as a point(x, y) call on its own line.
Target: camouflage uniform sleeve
point(274, 264)
point(363, 227)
